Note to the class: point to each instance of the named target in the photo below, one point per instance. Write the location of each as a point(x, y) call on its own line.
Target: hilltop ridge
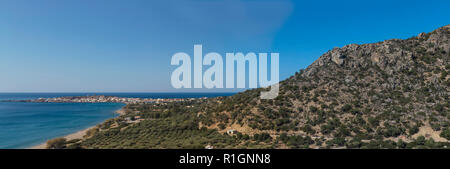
point(390, 94)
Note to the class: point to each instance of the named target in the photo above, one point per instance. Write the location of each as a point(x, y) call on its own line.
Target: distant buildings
point(106, 99)
point(134, 119)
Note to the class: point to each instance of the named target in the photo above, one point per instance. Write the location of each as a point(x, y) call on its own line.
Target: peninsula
point(103, 99)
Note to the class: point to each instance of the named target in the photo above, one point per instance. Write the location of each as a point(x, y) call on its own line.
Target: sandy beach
point(77, 135)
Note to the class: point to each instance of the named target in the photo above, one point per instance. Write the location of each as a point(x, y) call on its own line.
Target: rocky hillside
point(390, 94)
point(392, 89)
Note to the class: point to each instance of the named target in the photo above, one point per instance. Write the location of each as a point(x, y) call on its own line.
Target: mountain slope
point(390, 94)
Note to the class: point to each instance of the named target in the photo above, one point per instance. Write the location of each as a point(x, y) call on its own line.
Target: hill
point(390, 94)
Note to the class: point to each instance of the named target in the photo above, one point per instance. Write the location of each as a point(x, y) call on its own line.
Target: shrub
point(57, 143)
point(401, 143)
point(373, 121)
point(222, 126)
point(308, 129)
point(413, 130)
point(91, 132)
point(420, 140)
point(346, 108)
point(339, 141)
point(313, 109)
point(262, 137)
point(445, 133)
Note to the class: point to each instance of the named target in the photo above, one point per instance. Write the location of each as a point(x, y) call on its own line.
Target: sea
point(23, 125)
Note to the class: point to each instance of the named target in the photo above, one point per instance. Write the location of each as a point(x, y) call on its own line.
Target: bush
point(413, 130)
point(391, 131)
point(339, 141)
point(57, 143)
point(308, 129)
point(420, 140)
point(75, 146)
point(245, 137)
point(435, 126)
point(401, 143)
point(445, 134)
point(262, 137)
point(222, 126)
point(296, 141)
point(313, 109)
point(355, 143)
point(91, 132)
point(373, 121)
point(346, 108)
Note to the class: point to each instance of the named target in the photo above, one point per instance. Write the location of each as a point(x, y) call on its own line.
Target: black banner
point(226, 158)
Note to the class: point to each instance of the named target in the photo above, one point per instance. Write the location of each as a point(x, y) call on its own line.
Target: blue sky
point(126, 46)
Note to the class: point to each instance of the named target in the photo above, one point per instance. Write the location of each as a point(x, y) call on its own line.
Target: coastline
point(77, 135)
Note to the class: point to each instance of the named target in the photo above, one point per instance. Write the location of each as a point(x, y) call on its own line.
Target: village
point(104, 99)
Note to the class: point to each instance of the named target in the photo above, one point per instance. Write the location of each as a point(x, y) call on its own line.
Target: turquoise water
point(24, 125)
point(23, 96)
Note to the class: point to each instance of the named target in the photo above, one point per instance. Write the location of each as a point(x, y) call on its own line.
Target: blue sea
point(24, 125)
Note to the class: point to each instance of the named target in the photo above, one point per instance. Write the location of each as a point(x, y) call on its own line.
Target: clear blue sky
point(126, 46)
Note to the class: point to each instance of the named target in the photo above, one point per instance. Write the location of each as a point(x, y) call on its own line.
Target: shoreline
point(76, 135)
